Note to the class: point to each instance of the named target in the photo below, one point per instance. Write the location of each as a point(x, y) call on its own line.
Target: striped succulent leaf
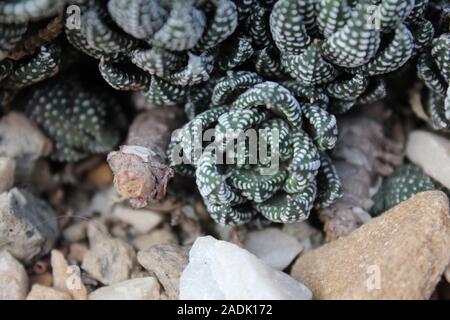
point(288, 28)
point(355, 43)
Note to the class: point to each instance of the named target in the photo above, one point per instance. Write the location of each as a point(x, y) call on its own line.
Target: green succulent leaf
point(139, 18)
point(395, 55)
point(350, 88)
point(322, 127)
point(328, 182)
point(332, 15)
point(123, 76)
point(355, 43)
point(288, 27)
point(45, 64)
point(309, 68)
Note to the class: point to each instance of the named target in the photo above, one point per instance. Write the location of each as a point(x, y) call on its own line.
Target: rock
point(39, 292)
point(432, 153)
point(109, 260)
point(101, 177)
point(102, 202)
point(67, 278)
point(221, 270)
point(21, 140)
point(76, 232)
point(28, 225)
point(142, 220)
point(272, 246)
point(401, 254)
point(7, 168)
point(44, 279)
point(167, 262)
point(13, 278)
point(135, 289)
point(77, 251)
point(155, 237)
point(308, 236)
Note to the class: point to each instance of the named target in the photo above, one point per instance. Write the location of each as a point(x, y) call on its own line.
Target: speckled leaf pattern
point(394, 55)
point(158, 61)
point(348, 89)
point(355, 43)
point(77, 120)
point(124, 77)
point(423, 33)
point(332, 15)
point(428, 71)
point(221, 26)
point(233, 83)
point(20, 11)
point(309, 68)
point(287, 208)
point(287, 27)
point(323, 127)
point(274, 97)
point(329, 187)
point(402, 184)
point(267, 64)
point(258, 28)
point(441, 55)
point(139, 18)
point(45, 64)
point(240, 51)
point(182, 29)
point(255, 185)
point(375, 91)
point(101, 37)
point(393, 12)
point(10, 35)
point(161, 92)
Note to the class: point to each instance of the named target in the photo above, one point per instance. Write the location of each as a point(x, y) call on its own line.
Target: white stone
point(432, 153)
point(221, 270)
point(13, 278)
point(7, 169)
point(142, 220)
point(146, 288)
point(273, 246)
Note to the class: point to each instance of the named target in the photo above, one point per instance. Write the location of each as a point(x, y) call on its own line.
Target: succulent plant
point(288, 65)
point(236, 190)
point(402, 184)
point(79, 120)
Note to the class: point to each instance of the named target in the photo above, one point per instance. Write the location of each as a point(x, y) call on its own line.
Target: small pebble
point(109, 260)
point(146, 288)
point(431, 152)
point(166, 261)
point(155, 237)
point(7, 169)
point(28, 225)
point(67, 278)
point(273, 246)
point(39, 292)
point(142, 220)
point(221, 270)
point(13, 278)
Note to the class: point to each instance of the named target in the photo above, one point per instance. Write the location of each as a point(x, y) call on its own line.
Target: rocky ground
point(87, 243)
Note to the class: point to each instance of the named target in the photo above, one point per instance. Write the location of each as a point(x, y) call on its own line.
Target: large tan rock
point(401, 254)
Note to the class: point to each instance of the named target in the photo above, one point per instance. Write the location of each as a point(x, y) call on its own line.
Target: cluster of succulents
point(433, 68)
point(246, 182)
point(289, 65)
